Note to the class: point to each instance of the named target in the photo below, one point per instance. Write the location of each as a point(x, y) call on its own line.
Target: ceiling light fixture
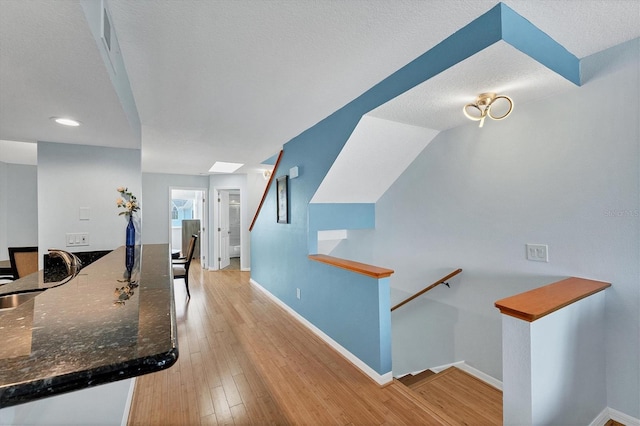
point(482, 108)
point(66, 121)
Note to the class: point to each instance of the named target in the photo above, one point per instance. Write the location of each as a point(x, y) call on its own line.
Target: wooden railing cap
point(536, 303)
point(360, 268)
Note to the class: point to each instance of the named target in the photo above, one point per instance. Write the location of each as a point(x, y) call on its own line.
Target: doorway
point(187, 217)
point(229, 233)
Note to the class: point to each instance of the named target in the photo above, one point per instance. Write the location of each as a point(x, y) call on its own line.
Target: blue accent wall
point(353, 309)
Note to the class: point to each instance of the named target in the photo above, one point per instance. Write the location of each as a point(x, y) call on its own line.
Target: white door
point(223, 228)
point(203, 214)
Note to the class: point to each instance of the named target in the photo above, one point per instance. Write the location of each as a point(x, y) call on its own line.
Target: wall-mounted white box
point(84, 213)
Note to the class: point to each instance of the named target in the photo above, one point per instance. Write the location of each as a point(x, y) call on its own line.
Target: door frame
point(204, 223)
point(214, 265)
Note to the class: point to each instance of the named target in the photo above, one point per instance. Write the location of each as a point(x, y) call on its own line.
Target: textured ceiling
point(235, 80)
point(500, 68)
point(50, 66)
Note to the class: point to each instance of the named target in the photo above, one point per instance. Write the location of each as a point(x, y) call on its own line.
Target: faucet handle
point(71, 261)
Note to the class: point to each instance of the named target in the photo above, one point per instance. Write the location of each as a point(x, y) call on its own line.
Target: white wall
point(157, 198)
point(555, 366)
point(22, 211)
point(70, 177)
point(106, 404)
point(18, 207)
point(563, 171)
point(251, 187)
point(75, 176)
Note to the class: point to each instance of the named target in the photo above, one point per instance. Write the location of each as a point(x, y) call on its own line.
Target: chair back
point(24, 261)
point(190, 250)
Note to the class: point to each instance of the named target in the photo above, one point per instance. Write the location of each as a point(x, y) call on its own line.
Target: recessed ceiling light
point(66, 121)
point(222, 167)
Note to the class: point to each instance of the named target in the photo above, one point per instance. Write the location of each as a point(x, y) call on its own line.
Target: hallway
point(244, 360)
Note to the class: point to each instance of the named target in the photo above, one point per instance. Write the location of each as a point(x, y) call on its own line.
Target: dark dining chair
point(182, 264)
point(23, 260)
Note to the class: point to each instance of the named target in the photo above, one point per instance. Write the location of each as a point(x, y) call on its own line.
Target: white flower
point(127, 201)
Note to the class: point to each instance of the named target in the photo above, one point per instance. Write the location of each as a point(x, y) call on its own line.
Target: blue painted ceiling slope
point(500, 23)
point(524, 36)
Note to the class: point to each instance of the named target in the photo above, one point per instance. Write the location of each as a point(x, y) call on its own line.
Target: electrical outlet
point(298, 293)
point(538, 252)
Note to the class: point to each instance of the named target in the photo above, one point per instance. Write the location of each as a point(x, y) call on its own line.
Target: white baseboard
point(623, 418)
point(618, 416)
point(380, 379)
point(601, 419)
point(212, 269)
point(462, 365)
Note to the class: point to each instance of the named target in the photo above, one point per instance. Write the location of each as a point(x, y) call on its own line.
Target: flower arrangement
point(127, 201)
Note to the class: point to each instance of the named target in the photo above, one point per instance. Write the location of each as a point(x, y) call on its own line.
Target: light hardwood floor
point(461, 398)
point(244, 360)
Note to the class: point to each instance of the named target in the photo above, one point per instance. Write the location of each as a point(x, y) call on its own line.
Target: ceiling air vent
point(106, 29)
point(108, 36)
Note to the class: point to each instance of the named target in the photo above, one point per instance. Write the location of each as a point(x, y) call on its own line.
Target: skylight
point(223, 167)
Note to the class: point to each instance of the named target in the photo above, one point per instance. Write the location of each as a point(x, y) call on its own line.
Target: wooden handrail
point(534, 304)
point(266, 190)
point(426, 289)
point(350, 265)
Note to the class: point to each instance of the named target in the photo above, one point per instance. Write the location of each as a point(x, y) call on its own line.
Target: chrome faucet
point(71, 261)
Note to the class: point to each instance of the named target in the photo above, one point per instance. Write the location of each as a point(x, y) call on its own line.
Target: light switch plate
point(538, 252)
point(74, 239)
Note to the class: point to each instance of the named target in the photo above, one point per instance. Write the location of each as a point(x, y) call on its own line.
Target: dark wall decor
point(282, 195)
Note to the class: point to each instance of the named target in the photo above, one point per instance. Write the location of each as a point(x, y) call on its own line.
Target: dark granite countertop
point(75, 335)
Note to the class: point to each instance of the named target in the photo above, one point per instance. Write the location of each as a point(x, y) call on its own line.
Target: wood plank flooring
point(244, 360)
point(461, 398)
point(411, 379)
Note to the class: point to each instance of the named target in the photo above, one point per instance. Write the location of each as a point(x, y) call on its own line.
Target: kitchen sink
point(12, 301)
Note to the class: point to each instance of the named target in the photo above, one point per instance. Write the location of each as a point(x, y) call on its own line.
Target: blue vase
point(131, 233)
point(130, 242)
